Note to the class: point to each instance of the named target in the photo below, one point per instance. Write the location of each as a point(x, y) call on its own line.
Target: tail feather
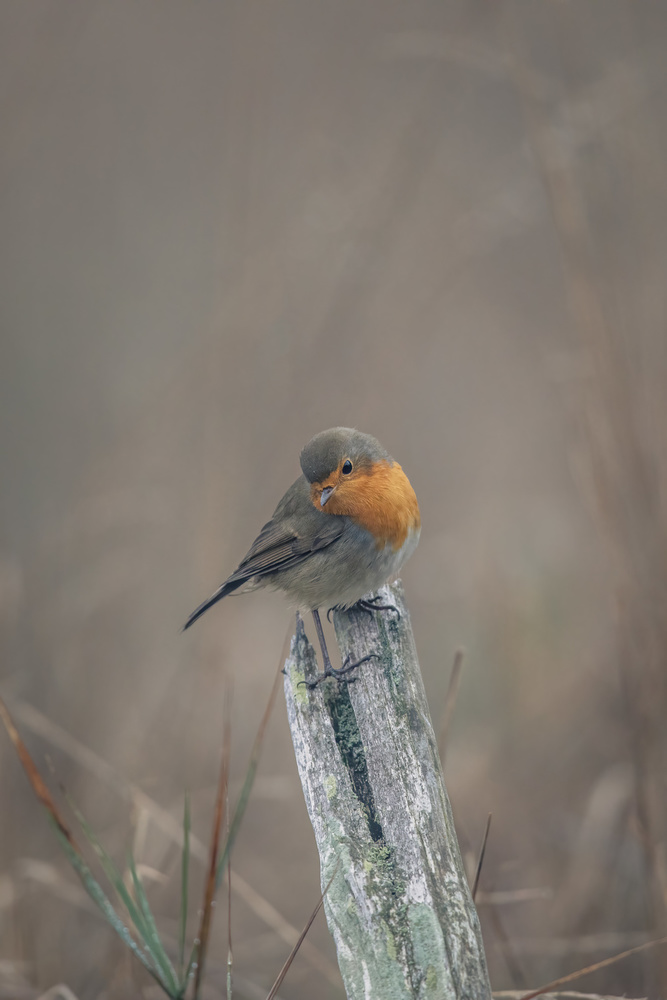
point(228, 587)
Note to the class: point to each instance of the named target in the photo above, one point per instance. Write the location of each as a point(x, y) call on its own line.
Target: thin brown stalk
point(34, 777)
point(480, 860)
point(292, 955)
point(548, 987)
point(209, 891)
point(450, 703)
point(513, 966)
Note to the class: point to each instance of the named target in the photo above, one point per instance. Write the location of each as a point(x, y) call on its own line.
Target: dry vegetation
point(226, 227)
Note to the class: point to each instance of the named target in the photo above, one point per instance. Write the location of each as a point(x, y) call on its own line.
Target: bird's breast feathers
point(378, 498)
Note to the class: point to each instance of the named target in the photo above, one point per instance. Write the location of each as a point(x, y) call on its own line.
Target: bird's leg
point(330, 671)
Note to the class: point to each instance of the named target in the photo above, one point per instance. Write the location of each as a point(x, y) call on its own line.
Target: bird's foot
point(371, 604)
point(339, 674)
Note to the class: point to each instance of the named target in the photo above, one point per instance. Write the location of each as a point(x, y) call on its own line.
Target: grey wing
point(279, 545)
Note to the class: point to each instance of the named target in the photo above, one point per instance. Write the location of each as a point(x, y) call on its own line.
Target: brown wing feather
point(279, 544)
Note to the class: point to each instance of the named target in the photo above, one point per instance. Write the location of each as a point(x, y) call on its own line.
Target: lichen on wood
point(399, 907)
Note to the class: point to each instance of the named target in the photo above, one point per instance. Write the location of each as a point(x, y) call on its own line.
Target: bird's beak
point(325, 494)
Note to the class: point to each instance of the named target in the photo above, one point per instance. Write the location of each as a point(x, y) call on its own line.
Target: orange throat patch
point(378, 498)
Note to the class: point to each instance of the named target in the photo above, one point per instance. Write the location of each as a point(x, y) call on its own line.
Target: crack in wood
point(351, 747)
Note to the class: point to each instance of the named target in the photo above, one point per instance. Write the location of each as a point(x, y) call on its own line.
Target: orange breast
point(381, 500)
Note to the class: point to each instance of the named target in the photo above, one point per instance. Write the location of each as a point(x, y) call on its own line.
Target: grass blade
point(35, 778)
point(185, 865)
point(480, 860)
point(211, 879)
point(97, 894)
point(152, 938)
point(112, 873)
point(194, 955)
point(555, 983)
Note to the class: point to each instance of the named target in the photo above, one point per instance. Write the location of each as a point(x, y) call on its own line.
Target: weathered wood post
point(399, 906)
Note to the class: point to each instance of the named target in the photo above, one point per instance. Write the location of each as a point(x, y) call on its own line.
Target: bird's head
point(350, 473)
point(337, 463)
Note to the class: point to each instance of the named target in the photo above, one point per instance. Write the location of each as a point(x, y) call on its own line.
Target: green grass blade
point(99, 897)
point(113, 874)
point(194, 957)
point(153, 942)
point(185, 865)
point(139, 910)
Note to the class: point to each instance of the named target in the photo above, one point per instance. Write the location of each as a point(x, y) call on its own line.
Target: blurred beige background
point(227, 226)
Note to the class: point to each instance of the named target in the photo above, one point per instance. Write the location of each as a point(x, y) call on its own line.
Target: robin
point(343, 529)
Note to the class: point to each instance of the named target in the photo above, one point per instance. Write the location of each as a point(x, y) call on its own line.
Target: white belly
point(386, 564)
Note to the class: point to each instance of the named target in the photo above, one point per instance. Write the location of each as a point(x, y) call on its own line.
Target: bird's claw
point(371, 604)
point(338, 674)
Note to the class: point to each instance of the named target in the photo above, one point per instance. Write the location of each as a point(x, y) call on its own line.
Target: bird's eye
point(347, 467)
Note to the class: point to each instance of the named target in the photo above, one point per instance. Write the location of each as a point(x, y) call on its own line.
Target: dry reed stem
point(592, 968)
point(292, 955)
point(568, 995)
point(34, 777)
point(482, 852)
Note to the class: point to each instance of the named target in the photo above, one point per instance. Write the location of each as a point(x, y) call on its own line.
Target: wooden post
point(399, 906)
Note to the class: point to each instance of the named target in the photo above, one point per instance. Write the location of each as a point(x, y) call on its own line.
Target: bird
point(342, 529)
